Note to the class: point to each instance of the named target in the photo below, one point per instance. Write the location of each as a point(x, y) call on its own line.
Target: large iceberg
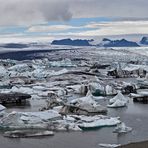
point(83, 106)
point(27, 120)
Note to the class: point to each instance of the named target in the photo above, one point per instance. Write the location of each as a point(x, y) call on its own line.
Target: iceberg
point(110, 90)
point(82, 122)
point(122, 128)
point(118, 101)
point(96, 88)
point(43, 73)
point(20, 68)
point(67, 125)
point(83, 106)
point(88, 99)
point(78, 89)
point(64, 63)
point(3, 71)
point(29, 120)
point(2, 110)
point(99, 121)
point(21, 89)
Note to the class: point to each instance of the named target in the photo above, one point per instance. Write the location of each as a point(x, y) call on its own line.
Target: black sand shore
point(143, 144)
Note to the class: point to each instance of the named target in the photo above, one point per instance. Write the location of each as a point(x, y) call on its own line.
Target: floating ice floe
point(2, 110)
point(43, 73)
point(110, 90)
point(29, 120)
point(122, 128)
point(16, 81)
point(102, 121)
point(88, 99)
point(40, 73)
point(46, 120)
point(39, 88)
point(67, 124)
point(2, 107)
point(64, 63)
point(57, 108)
point(26, 90)
point(13, 74)
point(56, 73)
point(109, 145)
point(79, 89)
point(96, 88)
point(82, 122)
point(118, 101)
point(83, 106)
point(128, 88)
point(53, 101)
point(3, 71)
point(141, 97)
point(20, 68)
point(27, 134)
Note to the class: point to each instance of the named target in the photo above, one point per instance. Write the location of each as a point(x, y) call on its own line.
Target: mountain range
point(117, 43)
point(77, 42)
point(104, 43)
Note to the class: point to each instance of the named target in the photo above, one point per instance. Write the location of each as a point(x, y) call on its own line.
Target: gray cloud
point(110, 8)
point(27, 12)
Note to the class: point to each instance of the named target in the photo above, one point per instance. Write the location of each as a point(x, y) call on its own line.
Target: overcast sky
point(82, 18)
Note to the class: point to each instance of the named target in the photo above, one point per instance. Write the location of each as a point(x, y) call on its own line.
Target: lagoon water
point(135, 116)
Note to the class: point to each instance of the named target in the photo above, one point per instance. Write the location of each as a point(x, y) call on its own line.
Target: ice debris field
point(76, 90)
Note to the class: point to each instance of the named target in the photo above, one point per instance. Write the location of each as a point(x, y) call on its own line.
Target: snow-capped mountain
point(144, 41)
point(77, 42)
point(117, 43)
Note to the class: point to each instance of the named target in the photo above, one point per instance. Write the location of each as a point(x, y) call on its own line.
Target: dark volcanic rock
point(77, 42)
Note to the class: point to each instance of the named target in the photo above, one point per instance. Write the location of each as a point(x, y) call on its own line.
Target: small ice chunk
point(122, 128)
point(109, 145)
point(2, 107)
point(110, 90)
point(2, 110)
